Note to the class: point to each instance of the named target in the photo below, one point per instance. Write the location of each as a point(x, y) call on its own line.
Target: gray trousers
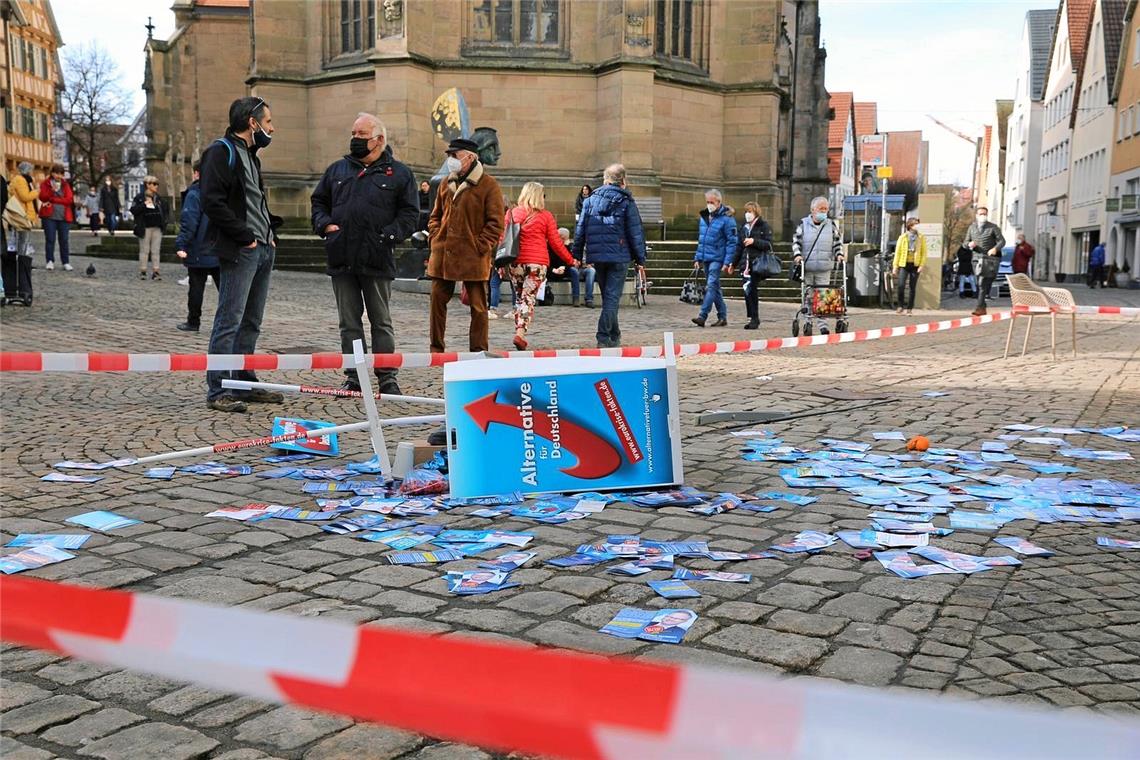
point(356, 294)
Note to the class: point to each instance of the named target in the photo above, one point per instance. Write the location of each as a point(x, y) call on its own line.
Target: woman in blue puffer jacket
point(716, 249)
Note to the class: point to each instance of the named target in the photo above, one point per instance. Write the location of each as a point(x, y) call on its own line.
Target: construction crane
point(950, 129)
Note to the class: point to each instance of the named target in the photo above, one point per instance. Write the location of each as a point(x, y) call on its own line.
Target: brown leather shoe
point(979, 311)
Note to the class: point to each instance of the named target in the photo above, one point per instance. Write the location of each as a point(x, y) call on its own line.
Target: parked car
point(1005, 269)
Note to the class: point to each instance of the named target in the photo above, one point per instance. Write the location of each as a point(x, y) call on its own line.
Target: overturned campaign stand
point(562, 425)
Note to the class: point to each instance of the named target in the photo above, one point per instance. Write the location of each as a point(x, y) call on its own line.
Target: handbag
point(15, 216)
point(508, 251)
point(693, 290)
point(986, 266)
point(463, 297)
point(767, 265)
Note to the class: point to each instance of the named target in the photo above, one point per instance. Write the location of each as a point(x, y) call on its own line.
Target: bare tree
point(94, 106)
point(957, 219)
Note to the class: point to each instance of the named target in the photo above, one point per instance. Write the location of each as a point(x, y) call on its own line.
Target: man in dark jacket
point(242, 236)
point(190, 246)
point(609, 235)
point(984, 238)
point(365, 204)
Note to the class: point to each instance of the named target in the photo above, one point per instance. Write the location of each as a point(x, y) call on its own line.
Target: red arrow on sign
point(596, 457)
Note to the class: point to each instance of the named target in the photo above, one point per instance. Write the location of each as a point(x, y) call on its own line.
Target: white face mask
point(982, 218)
point(711, 207)
point(453, 164)
point(749, 217)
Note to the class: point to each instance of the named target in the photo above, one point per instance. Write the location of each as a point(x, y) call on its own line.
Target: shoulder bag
point(508, 251)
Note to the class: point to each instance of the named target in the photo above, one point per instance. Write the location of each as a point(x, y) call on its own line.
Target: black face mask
point(358, 147)
point(261, 139)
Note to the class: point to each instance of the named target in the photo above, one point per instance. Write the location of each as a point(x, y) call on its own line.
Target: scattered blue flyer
point(673, 589)
point(1021, 546)
point(903, 565)
point(354, 524)
point(890, 435)
point(303, 515)
point(489, 513)
point(578, 558)
point(539, 509)
point(470, 582)
point(283, 458)
point(397, 539)
point(791, 498)
point(509, 561)
point(160, 473)
point(665, 626)
point(32, 558)
point(678, 548)
point(753, 506)
point(685, 574)
point(59, 477)
point(934, 394)
point(69, 465)
point(657, 561)
point(102, 521)
point(965, 520)
point(57, 540)
point(629, 568)
point(500, 500)
point(1116, 543)
point(423, 558)
point(963, 563)
point(280, 472)
point(723, 556)
point(325, 445)
point(994, 446)
point(859, 539)
point(806, 541)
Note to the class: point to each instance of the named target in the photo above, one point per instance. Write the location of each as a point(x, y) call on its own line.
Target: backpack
point(508, 251)
point(229, 149)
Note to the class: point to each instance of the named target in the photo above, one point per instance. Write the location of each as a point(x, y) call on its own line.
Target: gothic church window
point(351, 25)
point(679, 30)
point(526, 23)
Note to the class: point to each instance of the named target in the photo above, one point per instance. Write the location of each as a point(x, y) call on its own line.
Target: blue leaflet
point(799, 501)
point(667, 626)
point(1021, 546)
point(673, 589)
point(160, 473)
point(56, 540)
point(422, 558)
point(102, 521)
point(685, 574)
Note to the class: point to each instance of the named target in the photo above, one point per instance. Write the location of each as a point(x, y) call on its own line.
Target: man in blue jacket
point(609, 235)
point(365, 204)
point(191, 248)
point(716, 248)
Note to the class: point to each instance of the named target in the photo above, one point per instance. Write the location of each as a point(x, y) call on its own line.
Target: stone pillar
point(931, 210)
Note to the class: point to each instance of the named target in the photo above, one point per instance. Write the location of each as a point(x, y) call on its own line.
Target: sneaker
point(142, 275)
point(720, 323)
point(492, 314)
point(187, 327)
point(262, 396)
point(50, 266)
point(388, 386)
point(68, 268)
point(909, 313)
point(699, 321)
point(899, 310)
point(226, 403)
point(155, 276)
point(184, 281)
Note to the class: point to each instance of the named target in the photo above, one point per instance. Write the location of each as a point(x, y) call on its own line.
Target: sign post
point(884, 173)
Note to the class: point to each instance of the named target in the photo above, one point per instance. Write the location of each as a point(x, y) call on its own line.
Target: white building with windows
point(1121, 206)
point(841, 155)
point(1093, 130)
point(1065, 58)
point(1023, 133)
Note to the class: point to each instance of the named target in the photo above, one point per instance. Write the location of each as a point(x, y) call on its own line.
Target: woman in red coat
point(57, 212)
point(538, 234)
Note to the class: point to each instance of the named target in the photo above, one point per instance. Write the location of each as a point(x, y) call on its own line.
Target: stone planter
point(1122, 279)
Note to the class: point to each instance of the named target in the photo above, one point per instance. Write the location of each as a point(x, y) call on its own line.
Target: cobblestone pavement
point(1063, 631)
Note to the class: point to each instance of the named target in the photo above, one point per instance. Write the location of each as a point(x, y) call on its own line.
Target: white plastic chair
point(1034, 299)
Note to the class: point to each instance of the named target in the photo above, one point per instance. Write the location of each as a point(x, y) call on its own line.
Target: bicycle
point(640, 286)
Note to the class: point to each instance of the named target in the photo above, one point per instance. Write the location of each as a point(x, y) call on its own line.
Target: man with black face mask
point(242, 236)
point(365, 205)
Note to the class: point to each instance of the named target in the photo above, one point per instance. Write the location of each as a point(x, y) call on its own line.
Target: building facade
point(132, 147)
point(30, 80)
point(841, 154)
point(1065, 58)
point(1122, 209)
point(1093, 131)
point(1023, 133)
point(996, 164)
point(688, 94)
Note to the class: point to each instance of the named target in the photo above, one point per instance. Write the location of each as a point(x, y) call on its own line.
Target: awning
point(873, 202)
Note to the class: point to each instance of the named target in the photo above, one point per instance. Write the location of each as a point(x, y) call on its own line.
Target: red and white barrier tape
point(510, 697)
point(13, 361)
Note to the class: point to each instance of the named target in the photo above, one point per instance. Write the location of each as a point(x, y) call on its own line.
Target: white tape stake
point(246, 385)
point(364, 378)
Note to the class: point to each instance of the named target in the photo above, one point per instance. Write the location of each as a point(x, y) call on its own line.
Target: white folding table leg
point(364, 377)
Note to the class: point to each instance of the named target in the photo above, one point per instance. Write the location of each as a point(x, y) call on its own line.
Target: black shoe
point(389, 387)
point(350, 385)
point(589, 304)
point(187, 327)
point(753, 325)
point(575, 303)
point(699, 321)
point(824, 331)
point(226, 403)
point(437, 437)
point(720, 323)
point(262, 396)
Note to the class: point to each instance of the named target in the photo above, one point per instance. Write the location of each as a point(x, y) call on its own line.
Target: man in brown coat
point(465, 226)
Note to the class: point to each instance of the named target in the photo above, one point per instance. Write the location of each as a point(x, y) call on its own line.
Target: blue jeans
point(588, 273)
point(237, 322)
point(52, 229)
point(713, 295)
point(496, 288)
point(611, 281)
